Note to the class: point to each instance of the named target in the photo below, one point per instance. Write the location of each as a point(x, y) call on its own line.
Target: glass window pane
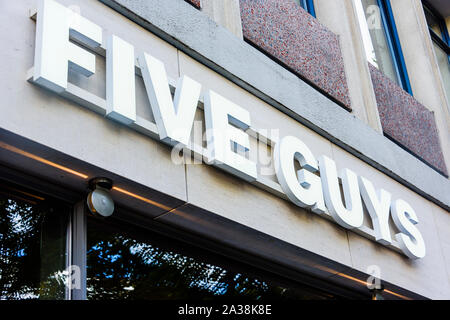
point(32, 245)
point(444, 67)
point(374, 37)
point(128, 263)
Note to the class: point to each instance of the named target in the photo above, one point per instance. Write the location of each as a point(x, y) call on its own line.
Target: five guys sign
point(297, 169)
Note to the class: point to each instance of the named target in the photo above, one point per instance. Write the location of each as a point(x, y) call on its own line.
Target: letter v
point(174, 119)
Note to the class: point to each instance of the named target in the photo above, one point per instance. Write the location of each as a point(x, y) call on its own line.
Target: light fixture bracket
point(102, 182)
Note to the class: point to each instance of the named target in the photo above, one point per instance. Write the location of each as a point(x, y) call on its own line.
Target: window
point(441, 43)
point(381, 41)
point(308, 5)
point(33, 253)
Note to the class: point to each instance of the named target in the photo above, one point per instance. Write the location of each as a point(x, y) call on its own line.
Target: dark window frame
point(442, 41)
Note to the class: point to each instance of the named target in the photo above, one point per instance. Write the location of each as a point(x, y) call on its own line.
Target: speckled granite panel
point(285, 31)
point(195, 3)
point(407, 121)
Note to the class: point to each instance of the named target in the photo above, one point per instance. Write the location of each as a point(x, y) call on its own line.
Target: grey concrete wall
point(280, 219)
point(65, 127)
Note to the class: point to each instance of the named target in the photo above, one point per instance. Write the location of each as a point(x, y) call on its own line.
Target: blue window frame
point(381, 40)
point(308, 5)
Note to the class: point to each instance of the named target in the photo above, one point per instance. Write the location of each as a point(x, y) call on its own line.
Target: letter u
point(349, 215)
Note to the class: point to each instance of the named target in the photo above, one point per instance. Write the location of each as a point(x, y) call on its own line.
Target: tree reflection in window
point(32, 246)
point(123, 265)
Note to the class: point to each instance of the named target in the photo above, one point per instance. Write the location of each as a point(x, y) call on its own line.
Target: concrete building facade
point(375, 101)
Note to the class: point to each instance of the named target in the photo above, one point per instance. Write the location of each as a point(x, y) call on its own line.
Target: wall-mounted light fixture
point(99, 200)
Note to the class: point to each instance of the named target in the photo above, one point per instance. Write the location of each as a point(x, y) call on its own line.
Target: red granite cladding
point(285, 31)
point(195, 3)
point(407, 121)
